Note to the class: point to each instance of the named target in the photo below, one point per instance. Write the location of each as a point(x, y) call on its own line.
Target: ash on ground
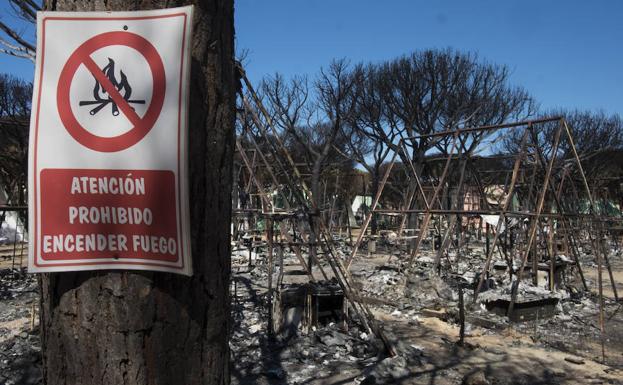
point(418, 312)
point(20, 348)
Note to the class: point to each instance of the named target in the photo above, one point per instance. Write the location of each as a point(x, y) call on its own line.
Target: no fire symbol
point(109, 90)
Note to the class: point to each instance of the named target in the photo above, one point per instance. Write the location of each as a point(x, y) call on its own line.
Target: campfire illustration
point(101, 97)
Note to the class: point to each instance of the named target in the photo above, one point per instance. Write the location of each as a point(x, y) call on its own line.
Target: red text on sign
point(120, 214)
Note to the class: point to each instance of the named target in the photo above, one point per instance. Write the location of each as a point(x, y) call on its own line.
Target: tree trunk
point(374, 188)
point(413, 222)
point(314, 229)
point(125, 327)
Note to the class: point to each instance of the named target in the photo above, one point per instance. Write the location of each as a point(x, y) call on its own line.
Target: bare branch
point(17, 54)
point(27, 9)
point(15, 36)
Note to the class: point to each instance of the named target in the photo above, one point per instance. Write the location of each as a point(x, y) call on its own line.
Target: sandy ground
point(617, 274)
point(7, 252)
point(14, 327)
point(502, 357)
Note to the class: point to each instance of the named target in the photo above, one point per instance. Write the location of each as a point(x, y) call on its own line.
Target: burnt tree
point(124, 327)
point(310, 120)
point(15, 96)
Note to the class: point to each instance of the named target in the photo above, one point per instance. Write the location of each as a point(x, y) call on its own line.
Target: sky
point(567, 54)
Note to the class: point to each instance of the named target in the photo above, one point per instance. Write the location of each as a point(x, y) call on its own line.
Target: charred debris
point(485, 241)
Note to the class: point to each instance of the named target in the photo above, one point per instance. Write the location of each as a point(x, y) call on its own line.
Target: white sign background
point(52, 147)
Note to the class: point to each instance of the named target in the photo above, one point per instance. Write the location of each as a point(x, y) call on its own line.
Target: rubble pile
point(293, 356)
point(565, 319)
point(525, 293)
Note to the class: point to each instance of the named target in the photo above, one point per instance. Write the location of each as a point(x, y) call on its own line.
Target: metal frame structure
point(546, 208)
point(547, 182)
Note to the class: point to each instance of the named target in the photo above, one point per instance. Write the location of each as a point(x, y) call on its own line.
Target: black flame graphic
point(101, 97)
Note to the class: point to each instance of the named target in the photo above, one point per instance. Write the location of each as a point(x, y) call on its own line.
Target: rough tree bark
point(123, 327)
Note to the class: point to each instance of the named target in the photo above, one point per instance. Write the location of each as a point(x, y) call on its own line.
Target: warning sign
point(108, 140)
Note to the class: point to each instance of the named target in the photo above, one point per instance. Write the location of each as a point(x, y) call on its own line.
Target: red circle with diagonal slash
point(141, 126)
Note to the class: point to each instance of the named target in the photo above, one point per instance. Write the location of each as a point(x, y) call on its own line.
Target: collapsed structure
point(505, 214)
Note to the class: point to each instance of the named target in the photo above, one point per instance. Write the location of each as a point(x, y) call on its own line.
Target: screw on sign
point(106, 82)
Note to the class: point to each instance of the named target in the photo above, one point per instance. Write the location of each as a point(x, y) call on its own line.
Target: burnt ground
point(20, 349)
point(419, 316)
point(538, 352)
